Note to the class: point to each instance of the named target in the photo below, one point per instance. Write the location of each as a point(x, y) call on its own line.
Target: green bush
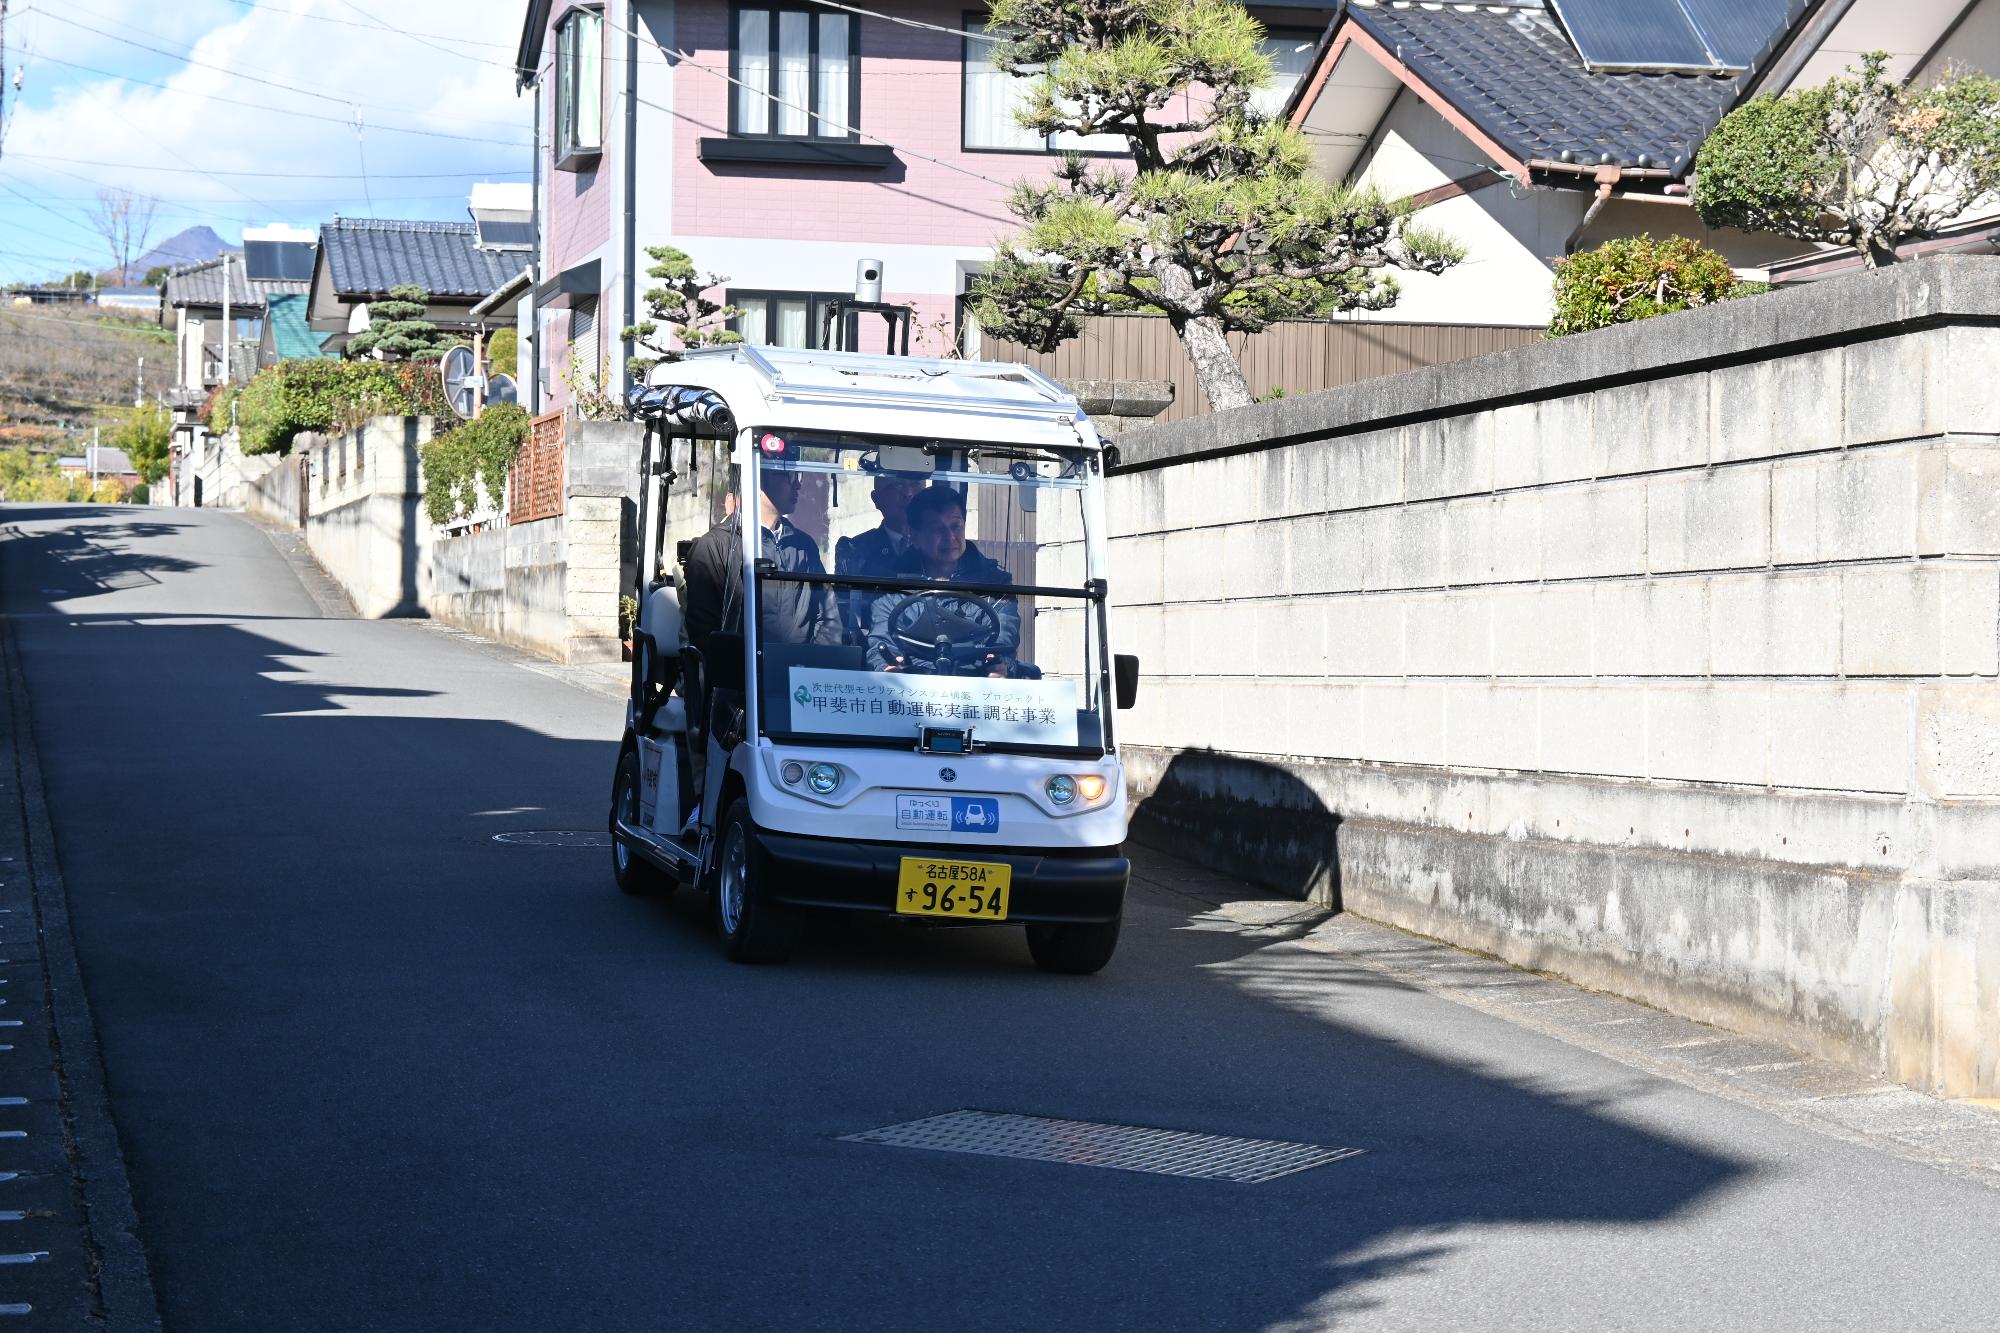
point(503, 352)
point(1636, 278)
point(1863, 161)
point(327, 395)
point(479, 452)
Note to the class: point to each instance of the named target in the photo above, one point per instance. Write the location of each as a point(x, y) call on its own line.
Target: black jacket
point(973, 567)
point(789, 613)
point(872, 554)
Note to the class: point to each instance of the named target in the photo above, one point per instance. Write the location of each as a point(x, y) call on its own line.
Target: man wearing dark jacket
point(875, 553)
point(939, 550)
point(788, 612)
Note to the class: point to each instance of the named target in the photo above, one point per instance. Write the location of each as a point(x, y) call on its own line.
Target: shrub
point(1636, 278)
point(480, 452)
point(328, 395)
point(397, 329)
point(503, 352)
point(1862, 161)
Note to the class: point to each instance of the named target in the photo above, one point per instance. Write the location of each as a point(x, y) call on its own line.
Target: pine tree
point(1217, 222)
point(679, 313)
point(398, 331)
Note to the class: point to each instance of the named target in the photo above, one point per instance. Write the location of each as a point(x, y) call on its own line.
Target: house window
point(579, 86)
point(992, 97)
point(583, 341)
point(782, 319)
point(798, 72)
point(1291, 52)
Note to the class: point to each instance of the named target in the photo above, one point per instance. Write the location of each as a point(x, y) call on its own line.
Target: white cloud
point(68, 120)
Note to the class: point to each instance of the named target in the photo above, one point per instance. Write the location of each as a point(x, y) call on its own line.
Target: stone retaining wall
point(1667, 657)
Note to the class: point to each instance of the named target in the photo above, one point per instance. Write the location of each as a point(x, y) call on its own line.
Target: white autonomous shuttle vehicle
point(872, 669)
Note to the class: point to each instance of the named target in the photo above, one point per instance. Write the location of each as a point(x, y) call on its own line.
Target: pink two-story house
point(779, 145)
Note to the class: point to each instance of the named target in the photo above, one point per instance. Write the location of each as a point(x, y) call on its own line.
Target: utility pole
point(228, 325)
point(139, 388)
point(93, 458)
point(3, 68)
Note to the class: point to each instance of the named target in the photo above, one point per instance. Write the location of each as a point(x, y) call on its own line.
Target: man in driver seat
point(938, 550)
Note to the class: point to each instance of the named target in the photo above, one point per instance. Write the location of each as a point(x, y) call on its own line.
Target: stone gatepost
point(601, 478)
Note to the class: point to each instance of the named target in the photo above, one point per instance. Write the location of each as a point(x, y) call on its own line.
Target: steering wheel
point(932, 626)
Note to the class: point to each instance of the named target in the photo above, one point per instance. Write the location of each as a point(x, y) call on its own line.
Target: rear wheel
point(754, 929)
point(1077, 950)
point(634, 873)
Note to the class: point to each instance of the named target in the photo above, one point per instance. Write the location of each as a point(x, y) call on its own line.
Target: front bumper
point(1056, 885)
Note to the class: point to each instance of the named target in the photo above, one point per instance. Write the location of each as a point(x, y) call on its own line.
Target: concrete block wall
point(1668, 657)
point(366, 525)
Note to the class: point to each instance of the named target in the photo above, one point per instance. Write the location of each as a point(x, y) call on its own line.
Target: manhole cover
point(556, 837)
point(1163, 1152)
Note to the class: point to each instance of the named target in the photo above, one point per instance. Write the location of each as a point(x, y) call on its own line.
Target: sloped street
point(374, 1069)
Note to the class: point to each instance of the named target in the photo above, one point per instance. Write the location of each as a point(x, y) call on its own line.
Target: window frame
point(816, 303)
point(572, 154)
point(815, 15)
point(976, 21)
point(1305, 36)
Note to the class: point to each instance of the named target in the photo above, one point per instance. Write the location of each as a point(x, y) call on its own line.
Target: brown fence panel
point(1295, 358)
point(535, 483)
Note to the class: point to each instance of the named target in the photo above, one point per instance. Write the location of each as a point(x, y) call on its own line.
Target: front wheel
point(634, 873)
point(1077, 950)
point(754, 929)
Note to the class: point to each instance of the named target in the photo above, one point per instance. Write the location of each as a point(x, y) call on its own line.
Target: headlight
point(1062, 789)
point(793, 772)
point(822, 778)
point(1092, 786)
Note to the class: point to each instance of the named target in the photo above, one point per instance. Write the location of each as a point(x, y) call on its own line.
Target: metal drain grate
point(1162, 1152)
point(560, 837)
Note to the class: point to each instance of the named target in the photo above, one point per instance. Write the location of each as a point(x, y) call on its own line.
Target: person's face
point(893, 496)
point(781, 489)
point(941, 536)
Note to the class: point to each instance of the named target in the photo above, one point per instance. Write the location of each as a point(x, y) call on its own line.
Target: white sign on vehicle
point(895, 703)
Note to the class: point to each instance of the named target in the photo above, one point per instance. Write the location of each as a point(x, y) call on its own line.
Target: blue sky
point(86, 118)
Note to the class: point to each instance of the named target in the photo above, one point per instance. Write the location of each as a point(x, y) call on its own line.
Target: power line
point(911, 23)
point(678, 58)
point(266, 106)
point(278, 175)
point(422, 38)
point(221, 69)
point(350, 23)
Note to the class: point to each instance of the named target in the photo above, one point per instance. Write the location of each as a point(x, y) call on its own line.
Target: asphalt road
point(374, 1070)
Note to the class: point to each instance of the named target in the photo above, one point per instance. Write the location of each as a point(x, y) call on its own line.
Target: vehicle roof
point(864, 394)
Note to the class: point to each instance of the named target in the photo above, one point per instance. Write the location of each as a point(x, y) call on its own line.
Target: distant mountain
point(185, 247)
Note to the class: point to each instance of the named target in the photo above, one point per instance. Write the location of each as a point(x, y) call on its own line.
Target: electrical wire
point(276, 110)
point(350, 23)
point(422, 39)
point(902, 22)
point(222, 69)
point(677, 58)
point(278, 175)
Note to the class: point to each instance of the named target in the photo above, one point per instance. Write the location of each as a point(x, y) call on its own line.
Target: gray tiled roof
point(1515, 75)
point(201, 284)
point(367, 256)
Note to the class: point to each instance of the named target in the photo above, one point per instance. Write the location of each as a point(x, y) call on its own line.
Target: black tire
point(1075, 950)
point(634, 873)
point(753, 928)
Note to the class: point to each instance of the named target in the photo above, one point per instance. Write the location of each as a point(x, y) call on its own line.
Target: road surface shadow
point(375, 1070)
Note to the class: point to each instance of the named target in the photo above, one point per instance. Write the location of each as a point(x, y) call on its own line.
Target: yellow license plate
point(975, 890)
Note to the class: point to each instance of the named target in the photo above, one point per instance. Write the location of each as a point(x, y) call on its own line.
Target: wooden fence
point(535, 483)
point(1295, 358)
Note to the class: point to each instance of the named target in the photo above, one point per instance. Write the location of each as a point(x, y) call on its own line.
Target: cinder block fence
point(1666, 657)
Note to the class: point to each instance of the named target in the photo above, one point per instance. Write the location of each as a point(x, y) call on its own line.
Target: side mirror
point(1125, 678)
point(722, 660)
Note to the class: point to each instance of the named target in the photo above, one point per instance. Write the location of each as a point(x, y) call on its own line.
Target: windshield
point(907, 584)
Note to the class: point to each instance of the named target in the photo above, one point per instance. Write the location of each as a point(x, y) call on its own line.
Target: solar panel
point(1633, 35)
point(268, 261)
point(1741, 32)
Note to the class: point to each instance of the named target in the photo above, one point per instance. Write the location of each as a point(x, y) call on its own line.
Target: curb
point(120, 1279)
